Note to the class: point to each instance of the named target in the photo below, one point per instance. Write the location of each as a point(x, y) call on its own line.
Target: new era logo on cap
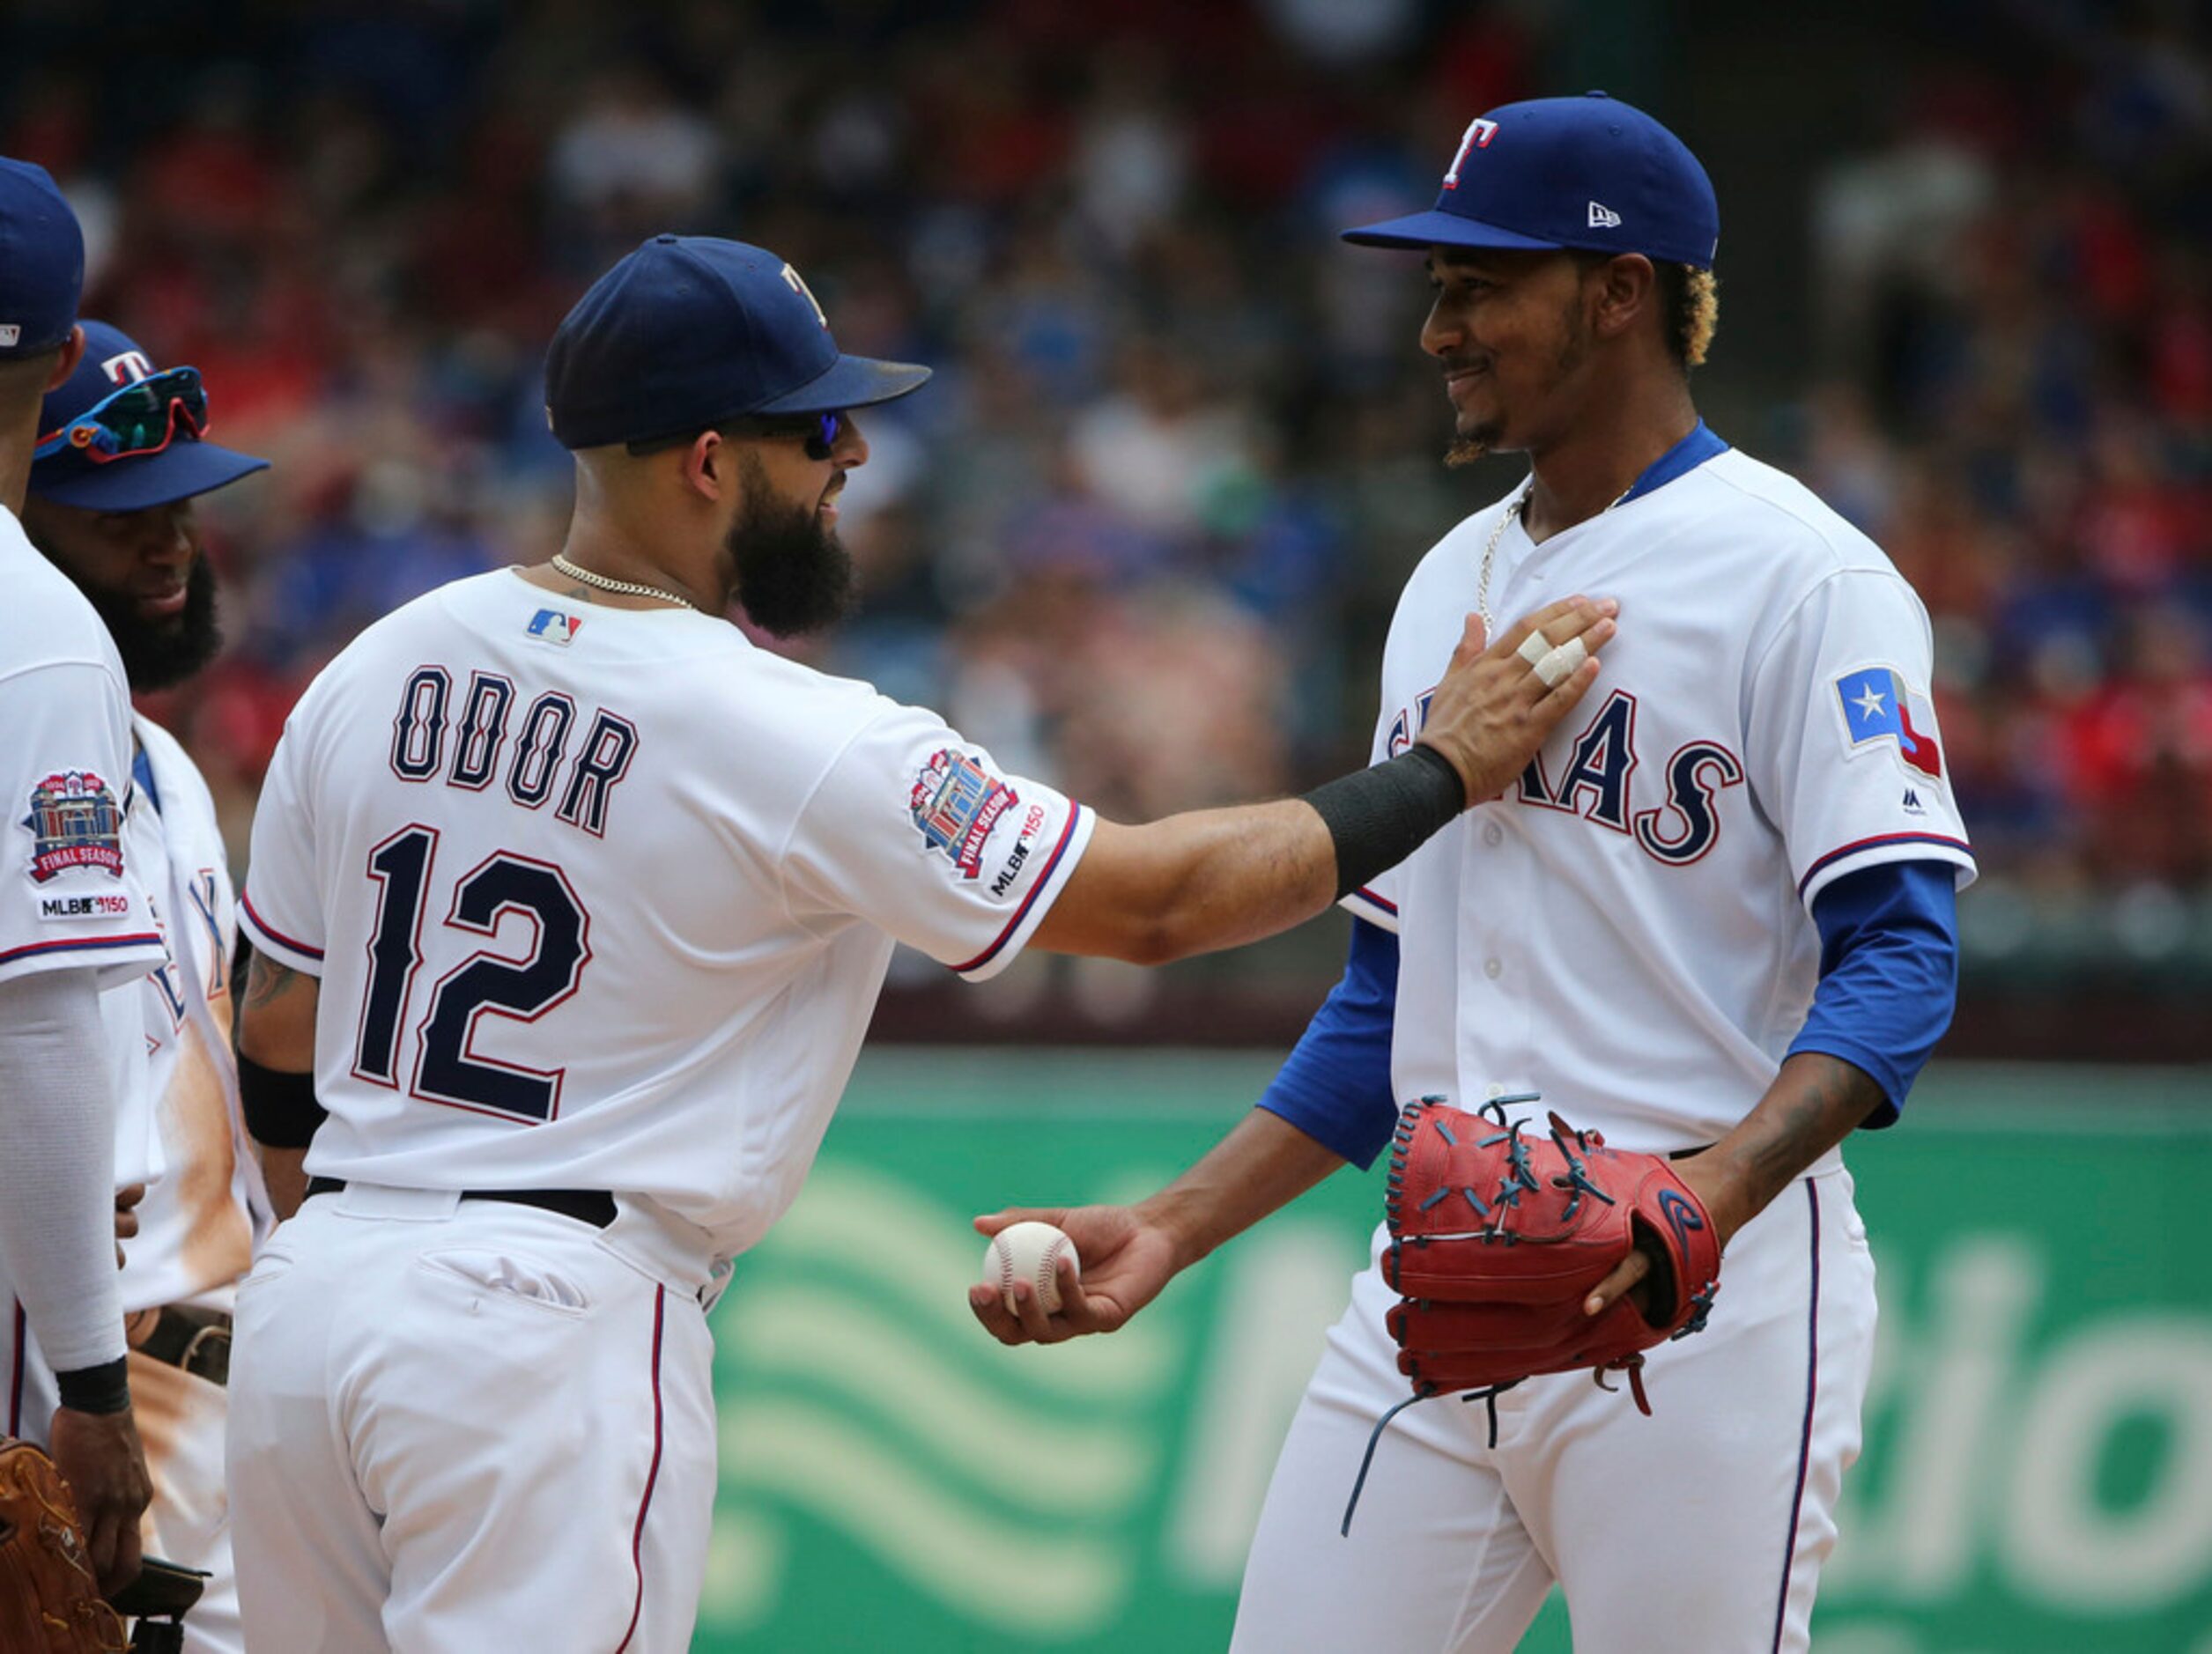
point(1603, 218)
point(9, 335)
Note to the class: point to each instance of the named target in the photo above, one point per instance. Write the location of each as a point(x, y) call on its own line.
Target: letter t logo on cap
point(798, 286)
point(1478, 136)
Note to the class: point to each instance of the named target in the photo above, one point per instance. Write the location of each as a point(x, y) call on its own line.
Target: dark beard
point(794, 575)
point(159, 653)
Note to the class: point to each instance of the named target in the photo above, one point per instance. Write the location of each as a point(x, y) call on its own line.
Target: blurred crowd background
point(1142, 533)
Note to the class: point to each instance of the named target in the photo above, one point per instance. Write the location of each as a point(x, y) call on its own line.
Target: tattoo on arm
point(267, 981)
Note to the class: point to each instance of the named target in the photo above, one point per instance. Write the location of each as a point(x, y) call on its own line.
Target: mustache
point(1450, 364)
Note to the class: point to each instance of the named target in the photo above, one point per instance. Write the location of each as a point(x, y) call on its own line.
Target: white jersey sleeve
point(281, 909)
point(1844, 753)
point(918, 833)
point(70, 896)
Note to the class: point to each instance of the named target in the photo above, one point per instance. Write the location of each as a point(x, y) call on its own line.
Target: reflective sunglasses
point(142, 417)
point(820, 433)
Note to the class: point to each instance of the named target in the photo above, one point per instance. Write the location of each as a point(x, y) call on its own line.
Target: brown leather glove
point(49, 1601)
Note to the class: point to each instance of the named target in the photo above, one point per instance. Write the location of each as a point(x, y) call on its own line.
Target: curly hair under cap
point(1693, 312)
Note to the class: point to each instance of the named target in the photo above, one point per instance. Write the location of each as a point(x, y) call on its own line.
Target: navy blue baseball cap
point(41, 261)
point(1590, 173)
point(185, 466)
point(691, 330)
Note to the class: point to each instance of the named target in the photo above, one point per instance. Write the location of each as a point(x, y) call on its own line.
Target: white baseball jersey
point(1626, 932)
point(602, 898)
point(198, 1223)
point(1626, 929)
point(74, 892)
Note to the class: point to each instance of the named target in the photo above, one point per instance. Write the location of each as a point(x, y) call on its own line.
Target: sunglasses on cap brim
point(142, 417)
point(819, 431)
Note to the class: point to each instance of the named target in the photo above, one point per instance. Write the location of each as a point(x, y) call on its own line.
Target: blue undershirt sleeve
point(1889, 974)
point(1335, 1085)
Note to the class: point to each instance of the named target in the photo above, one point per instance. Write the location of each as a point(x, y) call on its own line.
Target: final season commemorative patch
point(956, 802)
point(74, 822)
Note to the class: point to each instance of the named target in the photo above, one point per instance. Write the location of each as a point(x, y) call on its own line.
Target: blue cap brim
point(178, 472)
point(1435, 228)
point(851, 381)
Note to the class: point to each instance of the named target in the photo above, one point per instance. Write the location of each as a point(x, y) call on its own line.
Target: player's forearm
point(57, 1167)
point(1194, 883)
point(1815, 1103)
point(1263, 1164)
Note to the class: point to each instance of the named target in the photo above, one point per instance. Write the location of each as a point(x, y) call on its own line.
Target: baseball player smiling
point(121, 527)
point(1713, 919)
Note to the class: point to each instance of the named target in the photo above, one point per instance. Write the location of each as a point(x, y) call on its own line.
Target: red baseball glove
point(1497, 1236)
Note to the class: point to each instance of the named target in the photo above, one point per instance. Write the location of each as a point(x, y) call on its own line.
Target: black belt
point(595, 1207)
point(191, 1339)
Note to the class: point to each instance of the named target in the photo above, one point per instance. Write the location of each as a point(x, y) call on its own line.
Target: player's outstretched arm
point(1130, 1252)
point(1213, 879)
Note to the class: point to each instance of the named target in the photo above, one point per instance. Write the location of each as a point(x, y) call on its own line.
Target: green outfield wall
point(2038, 1477)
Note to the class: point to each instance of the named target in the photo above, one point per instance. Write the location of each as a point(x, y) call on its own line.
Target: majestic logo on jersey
point(956, 802)
point(74, 822)
point(555, 627)
point(1478, 136)
point(1877, 707)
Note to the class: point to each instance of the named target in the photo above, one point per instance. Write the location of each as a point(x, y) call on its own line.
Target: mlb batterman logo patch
point(74, 822)
point(554, 626)
point(956, 802)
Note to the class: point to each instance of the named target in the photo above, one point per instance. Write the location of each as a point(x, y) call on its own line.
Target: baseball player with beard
point(1713, 919)
point(78, 933)
point(570, 908)
point(120, 525)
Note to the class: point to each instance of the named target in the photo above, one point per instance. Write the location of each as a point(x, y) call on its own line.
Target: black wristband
point(1384, 814)
point(102, 1389)
point(280, 1109)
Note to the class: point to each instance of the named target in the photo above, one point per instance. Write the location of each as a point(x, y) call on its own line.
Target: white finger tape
point(1534, 647)
point(1560, 664)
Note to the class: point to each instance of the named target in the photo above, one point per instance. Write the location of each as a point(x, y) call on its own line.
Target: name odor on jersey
point(527, 749)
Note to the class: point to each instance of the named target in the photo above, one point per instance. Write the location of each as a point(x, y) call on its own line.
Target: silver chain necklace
point(1489, 552)
point(1513, 508)
point(628, 588)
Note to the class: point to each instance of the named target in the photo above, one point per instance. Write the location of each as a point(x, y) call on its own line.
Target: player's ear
point(710, 465)
point(1626, 287)
point(71, 353)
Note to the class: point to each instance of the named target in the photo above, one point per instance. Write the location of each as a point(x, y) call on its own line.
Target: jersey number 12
point(445, 1069)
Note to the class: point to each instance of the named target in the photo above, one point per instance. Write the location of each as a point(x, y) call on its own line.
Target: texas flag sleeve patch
point(1877, 707)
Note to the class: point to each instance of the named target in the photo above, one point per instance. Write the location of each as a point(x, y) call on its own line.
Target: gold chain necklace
point(628, 588)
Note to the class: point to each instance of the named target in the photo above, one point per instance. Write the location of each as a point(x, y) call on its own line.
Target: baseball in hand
point(1029, 1251)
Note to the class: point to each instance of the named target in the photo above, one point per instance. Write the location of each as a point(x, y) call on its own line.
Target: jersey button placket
point(1493, 1016)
